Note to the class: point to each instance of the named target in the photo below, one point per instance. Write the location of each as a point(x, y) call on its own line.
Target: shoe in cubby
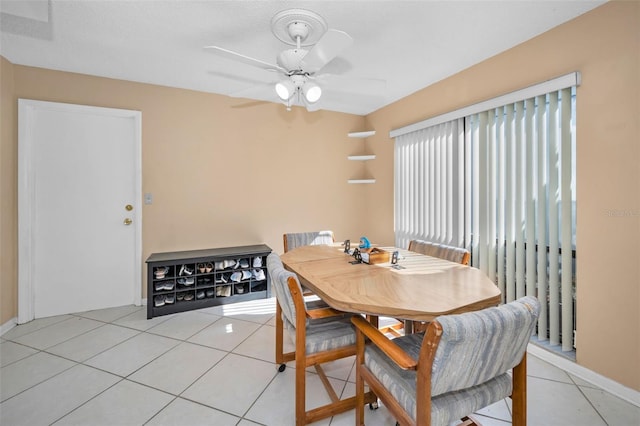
point(159, 300)
point(223, 291)
point(186, 281)
point(205, 281)
point(186, 270)
point(258, 286)
point(258, 274)
point(161, 272)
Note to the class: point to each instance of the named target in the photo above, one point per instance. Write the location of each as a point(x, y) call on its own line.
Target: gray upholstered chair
point(320, 335)
point(297, 239)
point(442, 251)
point(461, 364)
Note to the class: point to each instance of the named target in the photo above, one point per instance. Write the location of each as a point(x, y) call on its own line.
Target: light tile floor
point(215, 367)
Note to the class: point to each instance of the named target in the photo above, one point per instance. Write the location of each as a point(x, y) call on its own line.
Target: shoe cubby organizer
point(186, 280)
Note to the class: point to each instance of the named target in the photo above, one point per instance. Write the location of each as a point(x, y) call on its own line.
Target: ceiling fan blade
point(229, 54)
point(328, 47)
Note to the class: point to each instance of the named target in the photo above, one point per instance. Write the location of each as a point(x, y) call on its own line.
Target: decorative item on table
point(356, 256)
point(347, 246)
point(375, 255)
point(364, 243)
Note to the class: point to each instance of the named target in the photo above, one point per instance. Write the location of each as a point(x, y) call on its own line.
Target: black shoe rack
point(186, 280)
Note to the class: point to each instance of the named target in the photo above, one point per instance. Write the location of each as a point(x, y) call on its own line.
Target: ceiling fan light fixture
point(285, 90)
point(312, 92)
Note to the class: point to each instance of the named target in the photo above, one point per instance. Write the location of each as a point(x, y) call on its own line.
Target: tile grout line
point(87, 401)
point(589, 401)
point(42, 381)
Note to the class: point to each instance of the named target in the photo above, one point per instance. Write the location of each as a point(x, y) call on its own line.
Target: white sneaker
point(244, 263)
point(257, 262)
point(185, 270)
point(258, 274)
point(219, 264)
point(236, 277)
point(229, 263)
point(246, 275)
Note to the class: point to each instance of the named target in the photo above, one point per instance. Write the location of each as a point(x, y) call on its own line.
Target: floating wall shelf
point(364, 157)
point(361, 134)
point(361, 157)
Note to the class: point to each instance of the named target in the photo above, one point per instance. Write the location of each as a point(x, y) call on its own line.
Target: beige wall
point(8, 195)
point(211, 166)
point(220, 175)
point(604, 45)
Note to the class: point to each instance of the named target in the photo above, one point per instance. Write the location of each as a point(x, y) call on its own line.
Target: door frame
point(26, 195)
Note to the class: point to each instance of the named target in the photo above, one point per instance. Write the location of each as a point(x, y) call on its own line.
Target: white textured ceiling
point(410, 44)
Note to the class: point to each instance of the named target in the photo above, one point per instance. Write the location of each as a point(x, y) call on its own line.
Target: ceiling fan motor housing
point(291, 59)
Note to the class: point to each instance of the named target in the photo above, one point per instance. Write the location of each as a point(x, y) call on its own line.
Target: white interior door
point(79, 208)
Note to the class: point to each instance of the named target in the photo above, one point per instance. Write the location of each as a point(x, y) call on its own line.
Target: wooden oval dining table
point(417, 288)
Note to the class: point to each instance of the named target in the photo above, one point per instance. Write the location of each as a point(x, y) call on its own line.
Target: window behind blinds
point(498, 178)
point(429, 185)
point(523, 227)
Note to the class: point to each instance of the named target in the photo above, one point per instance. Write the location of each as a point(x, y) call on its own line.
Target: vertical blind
point(500, 182)
point(429, 185)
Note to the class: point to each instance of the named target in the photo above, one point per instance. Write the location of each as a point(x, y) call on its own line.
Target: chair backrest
point(442, 251)
point(279, 282)
point(487, 343)
point(297, 239)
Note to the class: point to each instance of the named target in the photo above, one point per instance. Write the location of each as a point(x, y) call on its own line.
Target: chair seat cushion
point(326, 333)
point(445, 408)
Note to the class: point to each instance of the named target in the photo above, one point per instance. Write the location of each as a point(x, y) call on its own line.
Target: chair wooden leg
point(301, 411)
point(359, 381)
point(279, 335)
point(519, 395)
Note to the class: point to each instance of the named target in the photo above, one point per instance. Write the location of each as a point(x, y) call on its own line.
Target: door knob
point(128, 221)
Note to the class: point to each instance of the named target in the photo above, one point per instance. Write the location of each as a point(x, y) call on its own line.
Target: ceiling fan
point(299, 67)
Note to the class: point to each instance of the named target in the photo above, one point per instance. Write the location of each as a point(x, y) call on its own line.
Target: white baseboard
point(630, 395)
point(8, 325)
point(143, 302)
